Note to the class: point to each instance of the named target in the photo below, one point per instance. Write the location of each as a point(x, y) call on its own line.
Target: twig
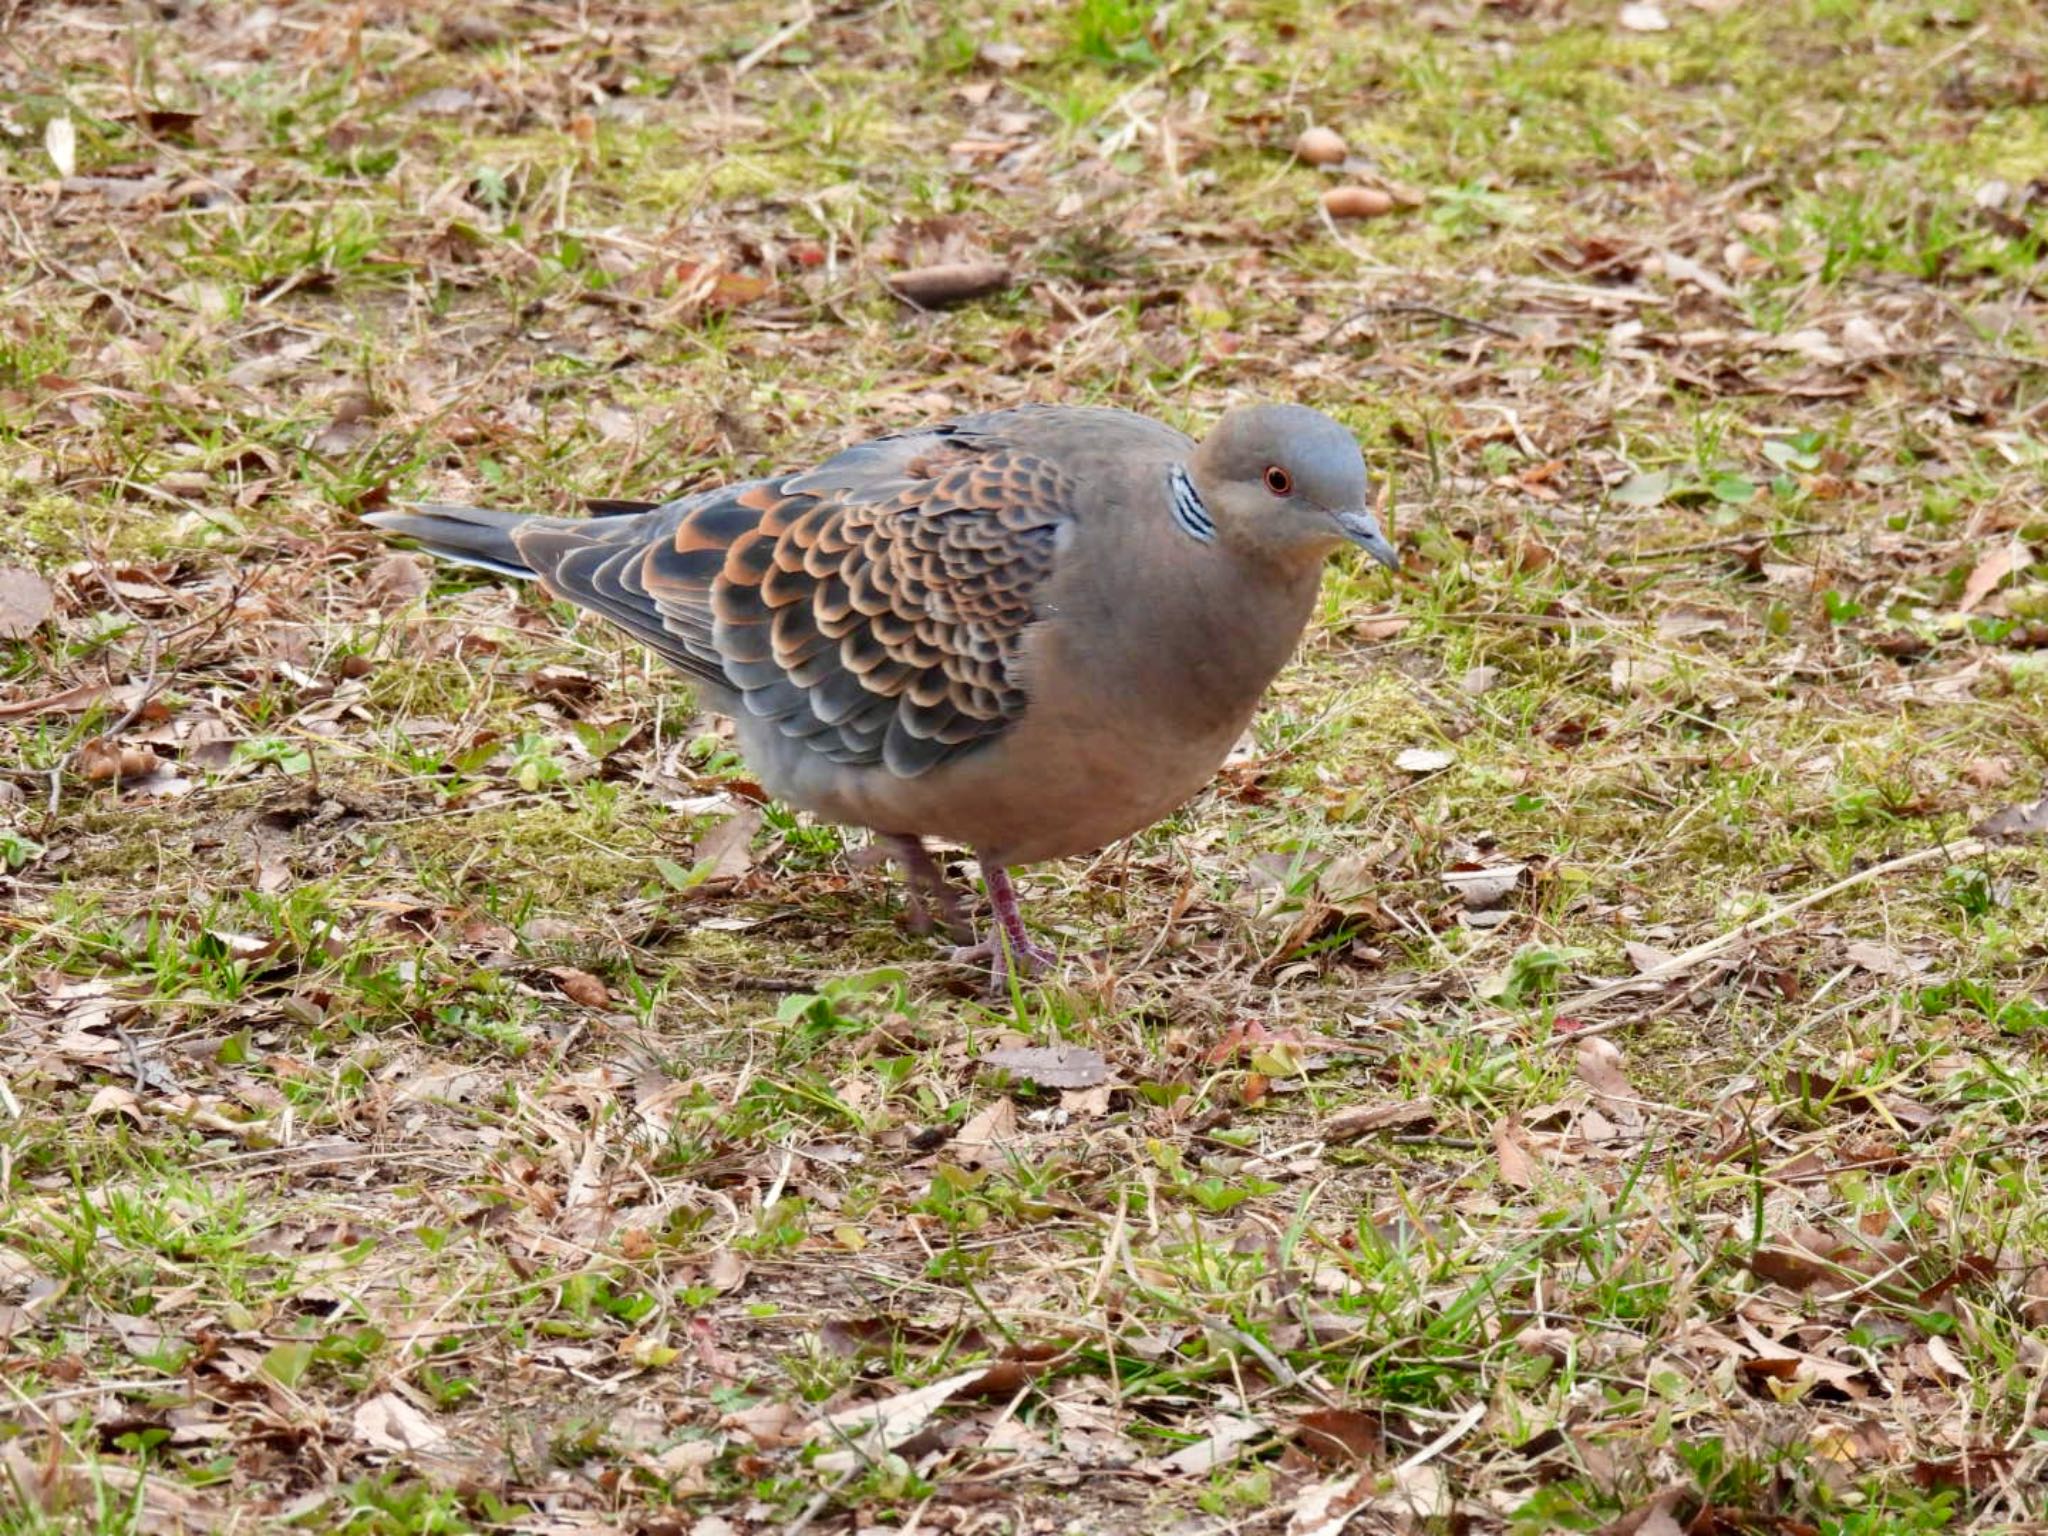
point(779, 985)
point(1739, 541)
point(1407, 307)
point(1968, 354)
point(1530, 620)
point(773, 41)
point(38, 1402)
point(1963, 45)
point(136, 1062)
point(816, 1507)
point(1678, 964)
point(1457, 1431)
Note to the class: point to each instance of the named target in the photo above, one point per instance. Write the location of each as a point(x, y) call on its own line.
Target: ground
point(1576, 1069)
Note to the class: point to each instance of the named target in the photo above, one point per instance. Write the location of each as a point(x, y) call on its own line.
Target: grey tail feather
point(478, 536)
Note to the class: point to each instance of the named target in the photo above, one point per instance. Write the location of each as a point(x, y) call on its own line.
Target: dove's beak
point(1363, 529)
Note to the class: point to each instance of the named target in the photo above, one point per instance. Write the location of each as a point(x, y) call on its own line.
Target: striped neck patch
point(1186, 504)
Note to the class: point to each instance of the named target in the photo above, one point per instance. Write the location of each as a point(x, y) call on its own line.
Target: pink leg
point(929, 889)
point(1010, 945)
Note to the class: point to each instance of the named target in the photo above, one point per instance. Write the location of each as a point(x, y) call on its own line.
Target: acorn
point(1320, 146)
point(1357, 202)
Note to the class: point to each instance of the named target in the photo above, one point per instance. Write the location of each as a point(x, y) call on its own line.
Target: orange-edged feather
point(873, 606)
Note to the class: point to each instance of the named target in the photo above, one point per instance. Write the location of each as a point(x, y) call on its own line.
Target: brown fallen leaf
point(1778, 1362)
point(1656, 1518)
point(1086, 1103)
point(1863, 1441)
point(1989, 772)
point(952, 282)
point(2034, 1297)
point(1974, 1268)
point(73, 701)
point(1598, 1061)
point(25, 601)
point(1683, 621)
point(142, 1337)
point(770, 1425)
point(387, 1422)
point(987, 1137)
point(1791, 1266)
point(1646, 957)
point(340, 438)
point(1973, 1470)
point(1050, 1066)
point(865, 1430)
point(443, 1082)
point(727, 1272)
point(441, 101)
point(395, 580)
point(1511, 1150)
point(152, 1502)
point(581, 986)
point(1546, 1343)
point(1482, 888)
point(1683, 269)
point(711, 287)
point(727, 848)
point(1227, 1435)
point(1987, 574)
point(1364, 1119)
point(2016, 821)
point(1883, 960)
point(469, 31)
point(1341, 1435)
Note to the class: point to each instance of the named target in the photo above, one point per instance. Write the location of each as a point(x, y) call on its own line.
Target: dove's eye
point(1278, 481)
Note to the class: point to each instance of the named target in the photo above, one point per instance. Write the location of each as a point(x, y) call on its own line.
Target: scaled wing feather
point(873, 606)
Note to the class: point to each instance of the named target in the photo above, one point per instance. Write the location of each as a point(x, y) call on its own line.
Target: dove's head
point(1287, 483)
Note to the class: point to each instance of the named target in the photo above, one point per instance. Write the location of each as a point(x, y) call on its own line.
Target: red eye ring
point(1278, 481)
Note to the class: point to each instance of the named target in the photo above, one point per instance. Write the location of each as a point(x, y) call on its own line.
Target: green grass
point(406, 1127)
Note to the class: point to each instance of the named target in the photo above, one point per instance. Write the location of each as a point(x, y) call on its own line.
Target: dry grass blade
point(1679, 964)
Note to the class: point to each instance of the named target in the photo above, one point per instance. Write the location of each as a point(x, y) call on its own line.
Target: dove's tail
point(477, 536)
